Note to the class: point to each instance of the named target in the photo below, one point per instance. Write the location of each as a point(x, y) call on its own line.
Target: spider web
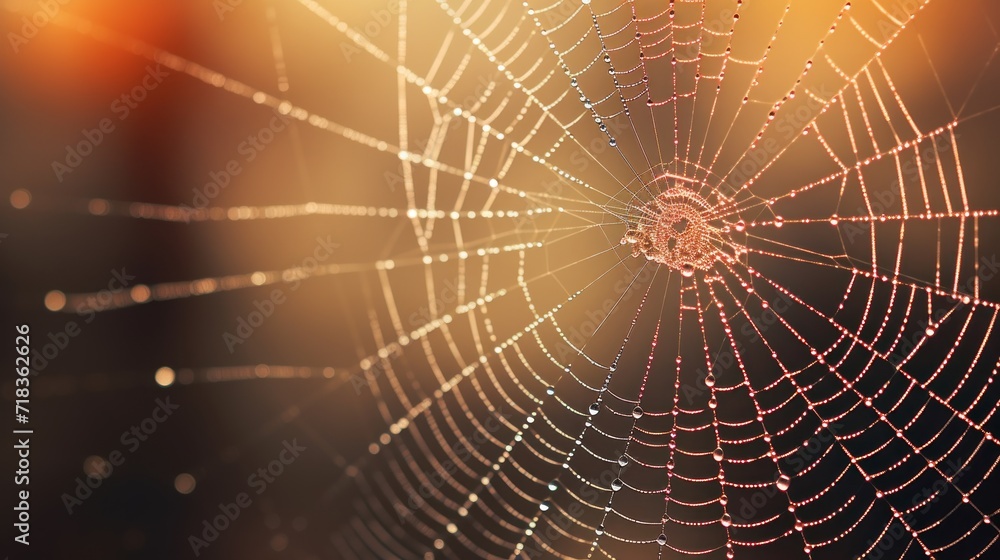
point(823, 386)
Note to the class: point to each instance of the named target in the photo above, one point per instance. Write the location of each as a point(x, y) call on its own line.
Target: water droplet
point(553, 486)
point(616, 484)
point(594, 409)
point(687, 270)
point(741, 225)
point(784, 482)
point(599, 530)
point(545, 506)
point(726, 520)
point(710, 380)
point(661, 540)
point(623, 460)
point(718, 454)
point(637, 412)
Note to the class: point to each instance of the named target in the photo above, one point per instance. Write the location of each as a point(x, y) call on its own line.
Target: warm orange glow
point(20, 199)
point(55, 300)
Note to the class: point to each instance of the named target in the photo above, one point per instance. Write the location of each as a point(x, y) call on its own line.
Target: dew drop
point(784, 482)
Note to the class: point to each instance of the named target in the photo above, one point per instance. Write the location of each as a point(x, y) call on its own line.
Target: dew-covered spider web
point(665, 280)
